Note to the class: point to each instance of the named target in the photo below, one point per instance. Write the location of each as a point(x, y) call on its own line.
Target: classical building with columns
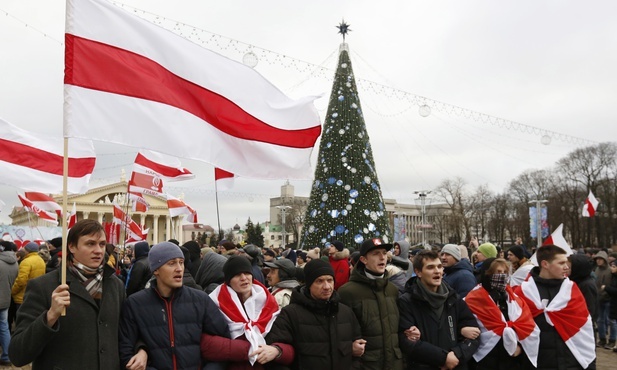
point(97, 204)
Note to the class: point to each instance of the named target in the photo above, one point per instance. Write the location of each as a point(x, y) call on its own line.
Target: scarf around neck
point(435, 299)
point(91, 279)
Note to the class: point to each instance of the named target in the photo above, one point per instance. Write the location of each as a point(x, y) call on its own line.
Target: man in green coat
point(373, 300)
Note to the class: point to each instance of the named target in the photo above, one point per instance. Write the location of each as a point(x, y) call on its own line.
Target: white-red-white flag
point(72, 219)
point(41, 213)
point(142, 183)
point(591, 204)
point(124, 73)
point(178, 207)
point(43, 201)
point(556, 238)
point(161, 165)
point(224, 180)
point(32, 161)
point(133, 230)
point(139, 202)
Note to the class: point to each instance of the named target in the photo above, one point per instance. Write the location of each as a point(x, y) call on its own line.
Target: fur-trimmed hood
point(344, 254)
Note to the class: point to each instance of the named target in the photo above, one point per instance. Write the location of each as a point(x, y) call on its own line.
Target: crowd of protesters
point(372, 306)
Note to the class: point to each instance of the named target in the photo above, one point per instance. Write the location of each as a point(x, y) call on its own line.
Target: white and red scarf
point(521, 328)
point(567, 312)
point(254, 318)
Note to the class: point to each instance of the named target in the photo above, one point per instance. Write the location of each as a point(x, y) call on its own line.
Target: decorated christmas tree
point(346, 202)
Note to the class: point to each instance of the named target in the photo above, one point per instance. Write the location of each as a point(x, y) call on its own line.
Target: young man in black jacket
point(434, 321)
point(324, 332)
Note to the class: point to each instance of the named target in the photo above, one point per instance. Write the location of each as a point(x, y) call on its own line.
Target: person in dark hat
point(195, 254)
point(167, 312)
point(371, 295)
point(253, 253)
point(338, 256)
point(315, 311)
point(521, 265)
point(55, 248)
point(250, 311)
point(281, 279)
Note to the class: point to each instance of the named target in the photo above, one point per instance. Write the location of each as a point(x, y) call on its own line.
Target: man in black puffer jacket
point(433, 320)
point(166, 320)
point(325, 333)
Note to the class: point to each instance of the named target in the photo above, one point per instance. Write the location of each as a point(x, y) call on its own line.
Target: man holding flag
point(87, 336)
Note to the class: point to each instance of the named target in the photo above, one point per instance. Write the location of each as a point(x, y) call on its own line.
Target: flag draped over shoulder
point(591, 205)
point(567, 312)
point(137, 80)
point(34, 162)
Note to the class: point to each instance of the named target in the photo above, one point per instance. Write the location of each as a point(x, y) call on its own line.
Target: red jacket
point(236, 352)
point(340, 264)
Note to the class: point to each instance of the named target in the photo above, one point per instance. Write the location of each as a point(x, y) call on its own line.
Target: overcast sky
point(544, 64)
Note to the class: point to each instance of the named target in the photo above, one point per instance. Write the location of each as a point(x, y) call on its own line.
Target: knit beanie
point(316, 268)
point(488, 250)
point(517, 250)
point(161, 253)
point(339, 245)
point(32, 247)
point(236, 265)
point(56, 242)
point(464, 251)
point(452, 250)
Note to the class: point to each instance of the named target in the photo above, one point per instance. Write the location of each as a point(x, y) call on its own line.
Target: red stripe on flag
point(590, 208)
point(97, 66)
point(37, 159)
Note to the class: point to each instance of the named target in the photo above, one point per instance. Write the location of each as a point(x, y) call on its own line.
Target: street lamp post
point(283, 210)
point(422, 194)
point(538, 203)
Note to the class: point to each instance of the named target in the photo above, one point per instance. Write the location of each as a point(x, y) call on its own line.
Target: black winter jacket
point(582, 267)
point(611, 290)
point(140, 273)
point(437, 337)
point(170, 328)
point(322, 333)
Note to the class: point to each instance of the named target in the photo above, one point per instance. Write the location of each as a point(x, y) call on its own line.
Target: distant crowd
point(372, 306)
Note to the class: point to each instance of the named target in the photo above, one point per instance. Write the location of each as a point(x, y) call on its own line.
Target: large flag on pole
point(72, 218)
point(137, 80)
point(591, 204)
point(41, 213)
point(133, 230)
point(33, 161)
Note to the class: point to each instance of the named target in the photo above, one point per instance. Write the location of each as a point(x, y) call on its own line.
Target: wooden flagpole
point(65, 174)
point(218, 219)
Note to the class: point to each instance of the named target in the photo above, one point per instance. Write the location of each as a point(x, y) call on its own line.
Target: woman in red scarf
point(250, 311)
point(508, 331)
